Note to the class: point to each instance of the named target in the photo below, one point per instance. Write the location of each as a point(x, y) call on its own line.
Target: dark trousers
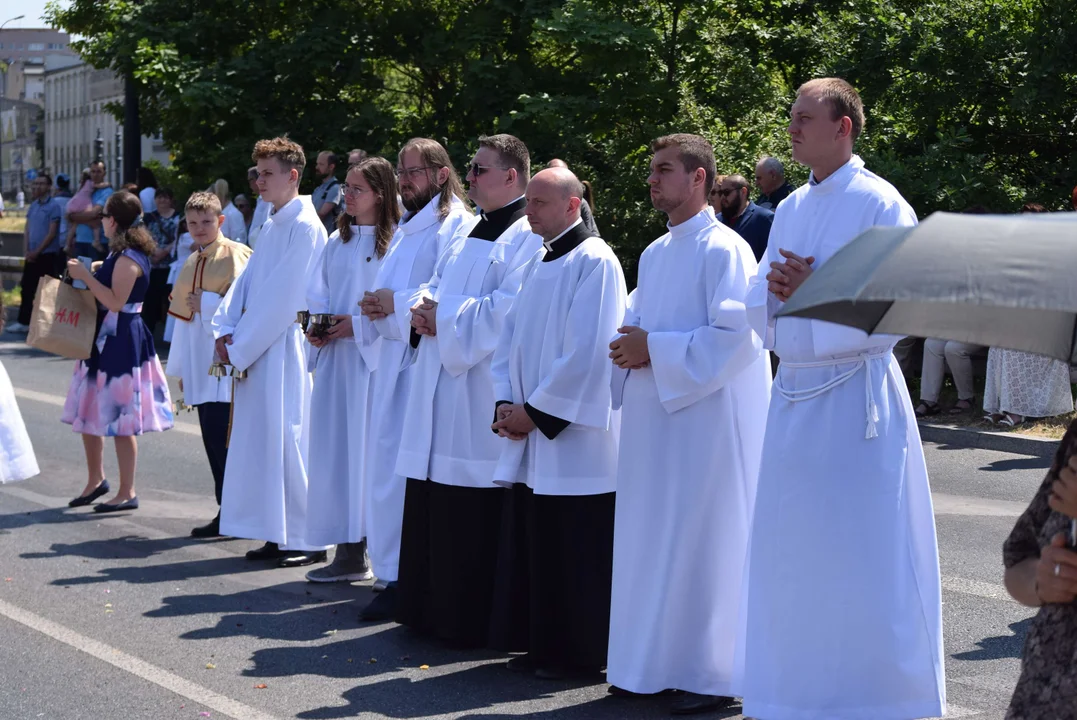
point(46, 264)
point(213, 419)
point(153, 307)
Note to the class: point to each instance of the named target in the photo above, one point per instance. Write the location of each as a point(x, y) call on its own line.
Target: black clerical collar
point(566, 242)
point(494, 223)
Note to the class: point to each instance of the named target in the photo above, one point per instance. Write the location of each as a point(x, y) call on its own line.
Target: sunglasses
point(477, 169)
point(722, 193)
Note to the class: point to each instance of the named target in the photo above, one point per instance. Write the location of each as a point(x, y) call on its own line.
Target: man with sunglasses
point(742, 215)
point(452, 509)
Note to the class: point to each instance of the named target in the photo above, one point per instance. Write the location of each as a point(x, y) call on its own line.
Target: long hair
point(220, 189)
point(588, 193)
point(435, 156)
point(380, 175)
point(125, 209)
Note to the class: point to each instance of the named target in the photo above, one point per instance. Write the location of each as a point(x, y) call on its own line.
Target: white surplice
point(261, 214)
point(843, 594)
point(235, 225)
point(340, 401)
point(192, 352)
point(17, 460)
point(265, 480)
point(691, 433)
point(554, 356)
point(419, 242)
point(450, 405)
point(184, 247)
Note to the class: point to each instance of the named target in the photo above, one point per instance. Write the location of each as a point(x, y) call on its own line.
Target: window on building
point(36, 46)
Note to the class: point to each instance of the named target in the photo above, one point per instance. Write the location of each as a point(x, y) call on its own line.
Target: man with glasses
point(433, 198)
point(452, 509)
point(749, 220)
point(43, 256)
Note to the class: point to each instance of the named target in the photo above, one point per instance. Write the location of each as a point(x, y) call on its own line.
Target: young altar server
point(340, 418)
point(693, 415)
point(843, 593)
point(452, 510)
point(265, 488)
point(202, 283)
point(552, 383)
point(433, 197)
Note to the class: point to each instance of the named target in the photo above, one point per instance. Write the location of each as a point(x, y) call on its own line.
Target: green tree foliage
point(969, 101)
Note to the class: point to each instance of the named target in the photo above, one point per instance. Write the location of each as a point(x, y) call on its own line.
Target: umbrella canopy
point(1005, 281)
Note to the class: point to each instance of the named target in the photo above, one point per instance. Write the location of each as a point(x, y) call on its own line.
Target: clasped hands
point(1056, 570)
point(512, 422)
point(629, 350)
point(785, 277)
point(378, 304)
point(424, 317)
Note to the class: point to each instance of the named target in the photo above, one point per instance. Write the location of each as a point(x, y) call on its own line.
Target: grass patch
point(12, 297)
point(11, 223)
point(1054, 427)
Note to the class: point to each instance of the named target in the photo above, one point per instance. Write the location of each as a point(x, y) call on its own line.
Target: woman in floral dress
point(1041, 571)
point(120, 391)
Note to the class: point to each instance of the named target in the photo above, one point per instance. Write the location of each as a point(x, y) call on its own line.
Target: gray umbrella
point(999, 280)
point(1005, 281)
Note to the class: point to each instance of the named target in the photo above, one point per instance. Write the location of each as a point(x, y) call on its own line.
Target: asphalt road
point(127, 617)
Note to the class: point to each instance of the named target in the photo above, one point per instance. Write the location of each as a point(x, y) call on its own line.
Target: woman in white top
point(342, 365)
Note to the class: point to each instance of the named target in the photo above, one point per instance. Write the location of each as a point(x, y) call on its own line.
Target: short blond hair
point(203, 202)
point(842, 97)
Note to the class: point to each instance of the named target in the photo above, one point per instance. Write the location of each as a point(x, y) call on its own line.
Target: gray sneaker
point(350, 564)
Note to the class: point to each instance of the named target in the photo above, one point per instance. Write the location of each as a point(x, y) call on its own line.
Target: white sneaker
point(18, 328)
point(380, 585)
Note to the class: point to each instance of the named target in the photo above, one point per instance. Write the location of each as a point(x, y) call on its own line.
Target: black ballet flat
point(97, 492)
point(131, 504)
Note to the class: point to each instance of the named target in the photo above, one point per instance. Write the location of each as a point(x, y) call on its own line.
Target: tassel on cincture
point(873, 418)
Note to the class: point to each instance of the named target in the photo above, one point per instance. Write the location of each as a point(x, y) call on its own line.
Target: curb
point(1032, 445)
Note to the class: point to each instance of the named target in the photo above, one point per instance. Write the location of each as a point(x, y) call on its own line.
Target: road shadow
point(1002, 646)
point(127, 547)
point(45, 516)
point(1021, 463)
point(166, 573)
point(289, 612)
point(462, 694)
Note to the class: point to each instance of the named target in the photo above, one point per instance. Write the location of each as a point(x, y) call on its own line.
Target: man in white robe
point(197, 293)
point(265, 484)
point(552, 379)
point(452, 510)
point(693, 415)
point(842, 602)
point(433, 197)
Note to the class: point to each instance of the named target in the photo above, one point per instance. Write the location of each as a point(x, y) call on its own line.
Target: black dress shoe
point(621, 692)
point(269, 551)
point(97, 492)
point(131, 504)
point(691, 703)
point(304, 558)
point(383, 607)
point(210, 530)
point(521, 664)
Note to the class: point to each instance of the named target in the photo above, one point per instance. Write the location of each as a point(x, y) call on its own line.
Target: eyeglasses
point(477, 169)
point(413, 171)
point(723, 193)
point(353, 190)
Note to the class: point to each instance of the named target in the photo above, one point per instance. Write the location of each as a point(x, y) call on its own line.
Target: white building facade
point(76, 108)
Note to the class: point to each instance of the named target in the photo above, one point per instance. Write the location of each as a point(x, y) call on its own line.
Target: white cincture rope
point(857, 362)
